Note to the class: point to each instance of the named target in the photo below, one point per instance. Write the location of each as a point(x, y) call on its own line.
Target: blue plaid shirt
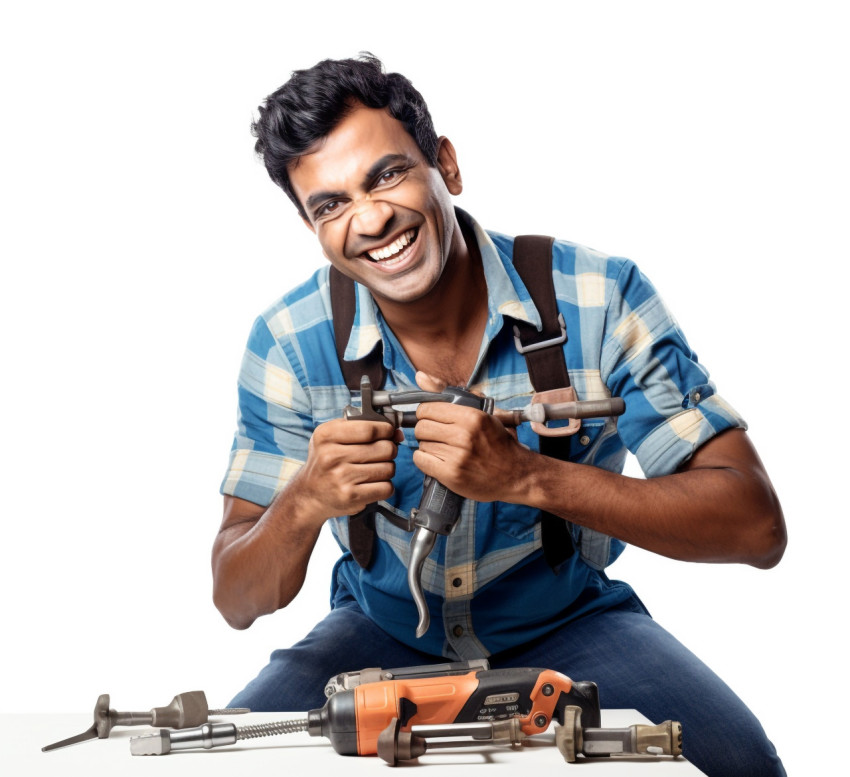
point(487, 584)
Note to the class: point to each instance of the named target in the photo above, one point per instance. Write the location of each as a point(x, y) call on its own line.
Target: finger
point(446, 434)
point(374, 472)
point(365, 493)
point(353, 432)
point(428, 382)
point(381, 450)
point(446, 413)
point(436, 450)
point(431, 464)
point(354, 482)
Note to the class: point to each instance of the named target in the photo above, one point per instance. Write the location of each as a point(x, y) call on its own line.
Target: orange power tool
point(354, 719)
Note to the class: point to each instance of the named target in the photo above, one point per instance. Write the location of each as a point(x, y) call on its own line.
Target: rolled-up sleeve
point(672, 407)
point(274, 422)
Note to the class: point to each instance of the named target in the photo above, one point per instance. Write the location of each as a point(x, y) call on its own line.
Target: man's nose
point(371, 216)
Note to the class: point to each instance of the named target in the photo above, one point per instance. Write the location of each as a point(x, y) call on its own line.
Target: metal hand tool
point(439, 508)
point(185, 710)
point(639, 739)
point(395, 745)
point(208, 736)
point(377, 405)
point(354, 719)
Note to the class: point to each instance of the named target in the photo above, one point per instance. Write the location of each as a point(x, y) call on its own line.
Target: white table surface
point(24, 736)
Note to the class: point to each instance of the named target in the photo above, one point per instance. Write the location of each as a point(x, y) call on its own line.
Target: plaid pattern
point(487, 585)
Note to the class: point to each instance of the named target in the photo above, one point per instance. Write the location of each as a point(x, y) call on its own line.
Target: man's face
point(382, 215)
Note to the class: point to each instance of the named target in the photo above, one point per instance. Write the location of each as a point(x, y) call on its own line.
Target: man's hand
point(349, 465)
point(467, 450)
point(260, 555)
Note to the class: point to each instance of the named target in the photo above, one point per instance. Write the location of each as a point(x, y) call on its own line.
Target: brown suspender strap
point(544, 356)
point(361, 527)
point(547, 368)
point(343, 307)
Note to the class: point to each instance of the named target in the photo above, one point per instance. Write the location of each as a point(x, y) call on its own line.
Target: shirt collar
point(506, 296)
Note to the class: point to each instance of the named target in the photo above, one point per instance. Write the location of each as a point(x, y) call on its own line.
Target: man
point(355, 150)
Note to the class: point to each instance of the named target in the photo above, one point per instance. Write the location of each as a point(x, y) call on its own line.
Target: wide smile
point(396, 253)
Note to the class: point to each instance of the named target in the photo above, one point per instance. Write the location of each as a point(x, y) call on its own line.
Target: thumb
point(429, 383)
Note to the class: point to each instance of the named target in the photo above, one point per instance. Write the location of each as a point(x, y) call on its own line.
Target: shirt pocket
point(516, 521)
point(520, 521)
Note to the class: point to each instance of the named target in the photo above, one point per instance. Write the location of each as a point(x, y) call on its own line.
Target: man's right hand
point(349, 464)
point(260, 555)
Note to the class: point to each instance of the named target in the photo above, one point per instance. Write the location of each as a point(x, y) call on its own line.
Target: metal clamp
point(562, 338)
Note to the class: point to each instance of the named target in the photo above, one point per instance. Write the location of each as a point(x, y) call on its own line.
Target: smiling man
point(436, 298)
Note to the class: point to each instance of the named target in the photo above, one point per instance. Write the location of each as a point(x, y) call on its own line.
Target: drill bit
point(210, 735)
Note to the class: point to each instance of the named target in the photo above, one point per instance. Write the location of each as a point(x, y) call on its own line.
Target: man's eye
point(328, 208)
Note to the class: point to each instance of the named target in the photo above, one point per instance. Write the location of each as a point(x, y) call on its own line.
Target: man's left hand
point(467, 450)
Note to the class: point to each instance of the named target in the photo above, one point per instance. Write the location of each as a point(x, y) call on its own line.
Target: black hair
point(314, 101)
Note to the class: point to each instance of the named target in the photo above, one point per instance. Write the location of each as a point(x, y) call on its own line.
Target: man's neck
point(441, 332)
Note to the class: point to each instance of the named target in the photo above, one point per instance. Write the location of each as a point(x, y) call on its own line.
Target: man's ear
point(447, 165)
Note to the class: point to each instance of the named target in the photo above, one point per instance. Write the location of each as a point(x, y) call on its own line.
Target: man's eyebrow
point(386, 161)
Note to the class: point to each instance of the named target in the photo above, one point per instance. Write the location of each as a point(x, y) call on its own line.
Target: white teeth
point(393, 248)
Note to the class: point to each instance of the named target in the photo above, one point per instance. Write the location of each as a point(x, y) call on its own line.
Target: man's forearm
point(260, 556)
point(721, 507)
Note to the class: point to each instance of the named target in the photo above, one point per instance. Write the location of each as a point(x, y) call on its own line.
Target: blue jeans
point(635, 663)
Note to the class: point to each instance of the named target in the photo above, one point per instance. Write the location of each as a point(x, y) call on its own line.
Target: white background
point(706, 141)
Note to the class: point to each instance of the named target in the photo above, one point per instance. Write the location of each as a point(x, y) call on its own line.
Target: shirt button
point(584, 439)
point(458, 631)
point(697, 397)
point(457, 582)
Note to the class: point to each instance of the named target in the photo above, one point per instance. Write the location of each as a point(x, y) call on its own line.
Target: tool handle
point(439, 507)
point(438, 512)
point(185, 711)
